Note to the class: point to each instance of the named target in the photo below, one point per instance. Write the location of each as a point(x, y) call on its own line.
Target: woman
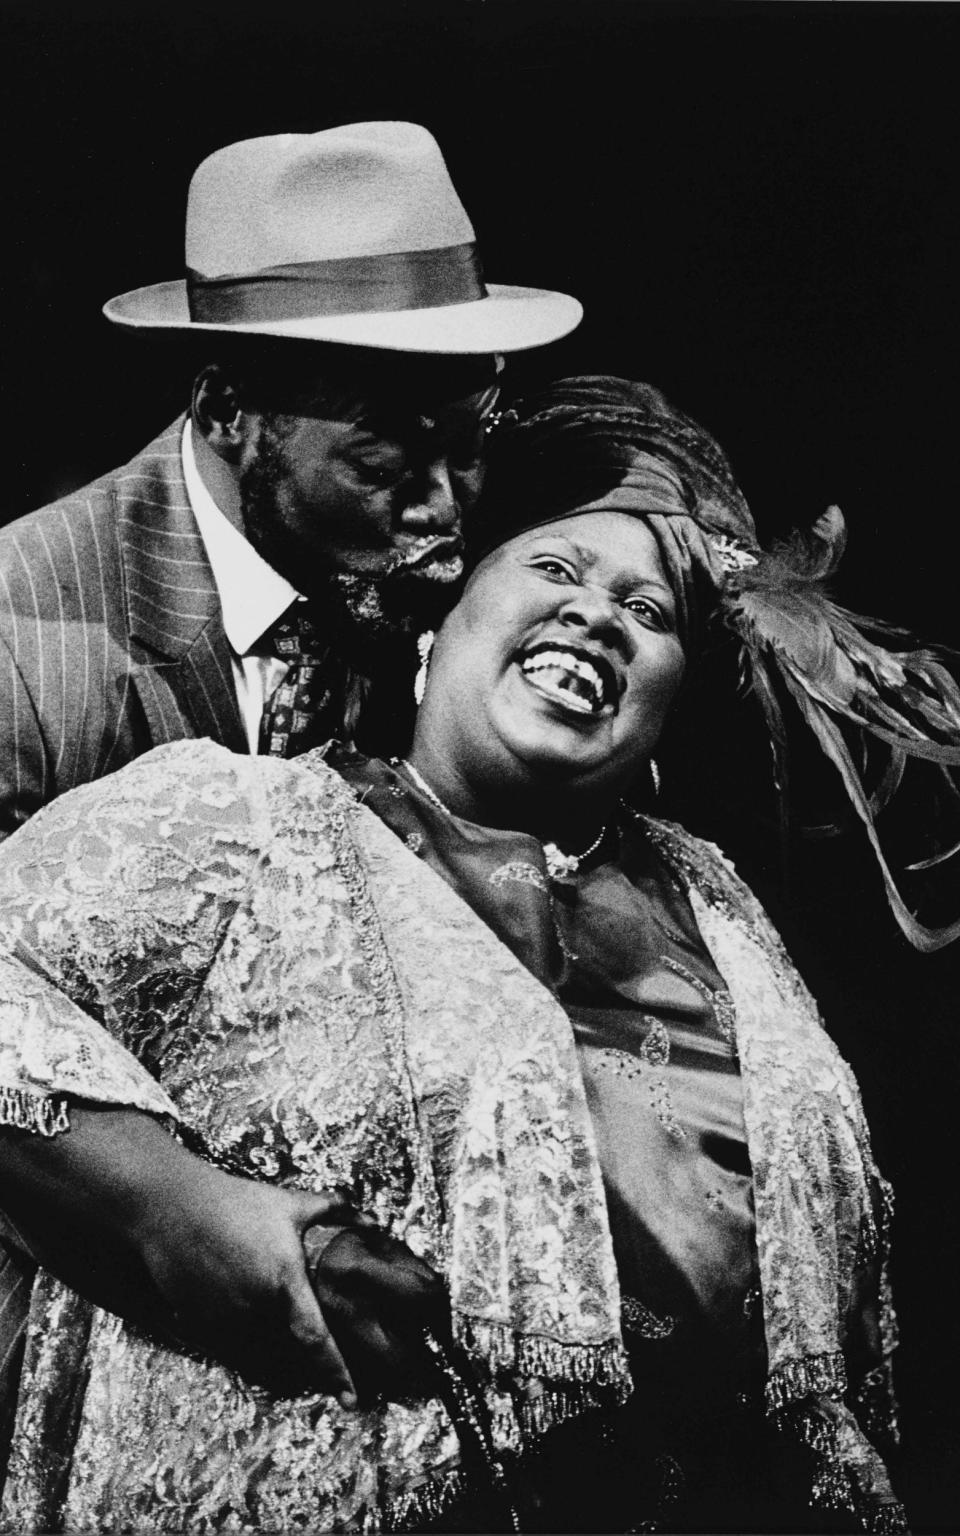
point(550, 1044)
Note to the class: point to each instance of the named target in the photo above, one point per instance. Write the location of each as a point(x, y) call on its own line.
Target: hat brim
point(508, 320)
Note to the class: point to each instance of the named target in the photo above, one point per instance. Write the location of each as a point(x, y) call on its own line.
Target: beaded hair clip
point(733, 556)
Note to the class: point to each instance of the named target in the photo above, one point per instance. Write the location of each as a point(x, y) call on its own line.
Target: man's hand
point(129, 1218)
point(377, 1298)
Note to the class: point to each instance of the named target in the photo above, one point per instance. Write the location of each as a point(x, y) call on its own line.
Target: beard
point(377, 609)
point(363, 611)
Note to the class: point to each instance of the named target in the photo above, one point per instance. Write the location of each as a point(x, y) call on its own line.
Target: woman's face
point(561, 659)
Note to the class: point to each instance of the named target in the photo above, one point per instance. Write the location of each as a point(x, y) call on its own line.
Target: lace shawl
point(299, 990)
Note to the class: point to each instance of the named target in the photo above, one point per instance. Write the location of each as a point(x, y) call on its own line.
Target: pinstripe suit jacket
point(111, 638)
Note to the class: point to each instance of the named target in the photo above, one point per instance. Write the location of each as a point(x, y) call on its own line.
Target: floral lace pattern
point(820, 1202)
point(297, 988)
point(216, 916)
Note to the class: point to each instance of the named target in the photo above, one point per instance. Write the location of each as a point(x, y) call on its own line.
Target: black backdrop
point(758, 206)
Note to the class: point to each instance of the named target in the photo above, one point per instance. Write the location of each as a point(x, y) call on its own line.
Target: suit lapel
point(182, 666)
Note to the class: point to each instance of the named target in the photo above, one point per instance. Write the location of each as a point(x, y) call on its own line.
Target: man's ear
point(217, 412)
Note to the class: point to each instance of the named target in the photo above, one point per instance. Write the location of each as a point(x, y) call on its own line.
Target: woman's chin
point(555, 750)
point(542, 737)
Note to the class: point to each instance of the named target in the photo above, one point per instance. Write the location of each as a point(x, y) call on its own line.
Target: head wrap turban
point(591, 443)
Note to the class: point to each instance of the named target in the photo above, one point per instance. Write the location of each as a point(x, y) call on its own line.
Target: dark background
point(758, 206)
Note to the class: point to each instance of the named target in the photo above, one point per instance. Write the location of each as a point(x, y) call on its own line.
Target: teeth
point(569, 666)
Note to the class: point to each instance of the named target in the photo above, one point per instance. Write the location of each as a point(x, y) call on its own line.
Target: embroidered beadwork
point(41, 1114)
point(522, 872)
point(565, 950)
point(518, 872)
point(637, 1318)
point(797, 1379)
point(751, 1301)
point(717, 999)
point(876, 1406)
point(652, 1058)
point(655, 1050)
point(671, 1482)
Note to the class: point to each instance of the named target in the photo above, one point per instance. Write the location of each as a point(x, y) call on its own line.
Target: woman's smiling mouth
point(577, 681)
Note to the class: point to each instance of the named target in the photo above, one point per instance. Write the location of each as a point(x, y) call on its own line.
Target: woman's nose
point(595, 610)
point(587, 604)
point(433, 506)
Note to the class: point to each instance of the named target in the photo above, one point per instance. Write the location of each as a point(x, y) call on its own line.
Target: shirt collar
point(252, 594)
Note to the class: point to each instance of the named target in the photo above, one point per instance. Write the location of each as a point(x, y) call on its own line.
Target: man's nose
point(433, 506)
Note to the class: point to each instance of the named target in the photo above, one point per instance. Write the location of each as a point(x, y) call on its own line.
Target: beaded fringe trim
point(425, 1504)
point(889, 1520)
point(41, 1114)
point(501, 1348)
point(809, 1377)
point(834, 1484)
point(586, 1377)
point(549, 1408)
point(515, 1432)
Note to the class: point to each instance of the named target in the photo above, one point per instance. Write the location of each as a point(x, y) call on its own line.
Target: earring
point(655, 775)
point(424, 647)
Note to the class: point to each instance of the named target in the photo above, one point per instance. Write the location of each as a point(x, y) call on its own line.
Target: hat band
point(348, 285)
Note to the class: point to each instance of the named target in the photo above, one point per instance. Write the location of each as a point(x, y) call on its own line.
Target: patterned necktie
point(301, 712)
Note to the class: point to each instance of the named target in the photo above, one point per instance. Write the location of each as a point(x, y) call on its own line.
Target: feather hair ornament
point(835, 668)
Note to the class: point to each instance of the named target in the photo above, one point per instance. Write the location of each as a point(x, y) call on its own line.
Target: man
point(332, 447)
point(247, 577)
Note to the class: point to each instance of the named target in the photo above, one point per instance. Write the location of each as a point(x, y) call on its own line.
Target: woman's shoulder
point(208, 783)
point(196, 779)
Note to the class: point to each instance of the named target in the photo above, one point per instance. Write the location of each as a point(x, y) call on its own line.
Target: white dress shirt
point(252, 597)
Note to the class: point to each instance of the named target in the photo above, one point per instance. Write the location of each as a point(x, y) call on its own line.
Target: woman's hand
point(131, 1219)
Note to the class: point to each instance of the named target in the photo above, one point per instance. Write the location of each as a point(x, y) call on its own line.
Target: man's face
point(365, 497)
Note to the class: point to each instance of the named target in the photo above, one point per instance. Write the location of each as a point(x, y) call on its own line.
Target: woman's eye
point(646, 611)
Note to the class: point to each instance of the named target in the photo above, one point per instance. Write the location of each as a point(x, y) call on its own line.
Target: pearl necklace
point(560, 865)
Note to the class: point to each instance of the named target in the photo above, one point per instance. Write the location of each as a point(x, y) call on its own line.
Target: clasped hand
point(296, 1291)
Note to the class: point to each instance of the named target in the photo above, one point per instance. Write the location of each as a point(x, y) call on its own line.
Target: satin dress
point(619, 947)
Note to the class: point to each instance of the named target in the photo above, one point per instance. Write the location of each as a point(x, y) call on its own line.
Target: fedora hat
point(354, 235)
